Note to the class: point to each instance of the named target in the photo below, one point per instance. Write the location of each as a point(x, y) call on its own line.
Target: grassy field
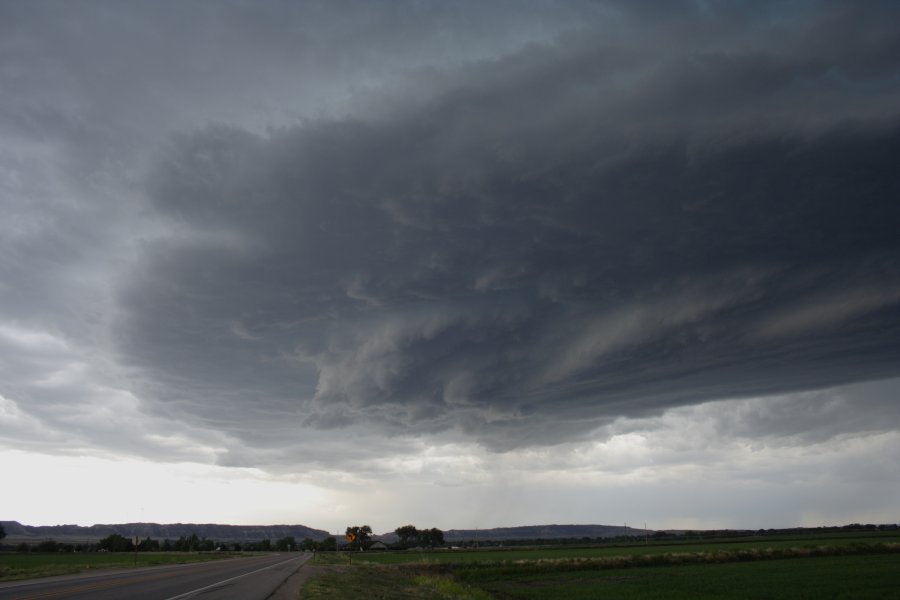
point(564, 552)
point(876, 576)
point(863, 567)
point(27, 566)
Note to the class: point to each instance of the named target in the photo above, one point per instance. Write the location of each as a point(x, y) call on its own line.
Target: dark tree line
point(193, 543)
point(411, 536)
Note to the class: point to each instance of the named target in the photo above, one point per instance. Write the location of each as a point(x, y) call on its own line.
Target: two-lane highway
point(252, 578)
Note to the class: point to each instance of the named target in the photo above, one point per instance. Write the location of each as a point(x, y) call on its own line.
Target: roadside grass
point(387, 582)
point(32, 565)
point(332, 558)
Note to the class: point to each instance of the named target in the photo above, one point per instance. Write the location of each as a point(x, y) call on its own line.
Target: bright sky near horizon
point(469, 264)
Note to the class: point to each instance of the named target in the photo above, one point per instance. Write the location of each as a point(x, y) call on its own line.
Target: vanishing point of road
point(252, 578)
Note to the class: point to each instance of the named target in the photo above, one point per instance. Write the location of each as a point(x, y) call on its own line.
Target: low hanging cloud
point(487, 260)
point(523, 250)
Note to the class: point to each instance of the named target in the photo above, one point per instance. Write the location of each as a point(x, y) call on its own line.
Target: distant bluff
point(219, 533)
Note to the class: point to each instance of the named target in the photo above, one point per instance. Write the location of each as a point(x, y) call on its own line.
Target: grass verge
point(387, 582)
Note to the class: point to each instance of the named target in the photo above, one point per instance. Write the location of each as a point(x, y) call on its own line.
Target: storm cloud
point(558, 238)
point(240, 233)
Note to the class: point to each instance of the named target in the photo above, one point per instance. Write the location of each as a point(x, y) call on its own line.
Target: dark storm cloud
point(529, 247)
point(90, 90)
point(794, 420)
point(816, 415)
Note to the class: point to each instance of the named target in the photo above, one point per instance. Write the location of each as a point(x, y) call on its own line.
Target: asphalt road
point(253, 578)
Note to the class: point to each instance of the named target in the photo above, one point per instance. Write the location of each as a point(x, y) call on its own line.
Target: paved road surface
point(254, 578)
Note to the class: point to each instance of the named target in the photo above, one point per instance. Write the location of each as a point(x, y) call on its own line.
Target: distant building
point(378, 546)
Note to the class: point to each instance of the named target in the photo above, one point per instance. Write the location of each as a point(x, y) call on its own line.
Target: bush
point(48, 546)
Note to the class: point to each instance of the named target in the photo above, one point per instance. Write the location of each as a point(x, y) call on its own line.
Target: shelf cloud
point(418, 228)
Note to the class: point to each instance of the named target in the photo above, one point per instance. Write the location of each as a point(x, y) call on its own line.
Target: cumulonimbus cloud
point(534, 246)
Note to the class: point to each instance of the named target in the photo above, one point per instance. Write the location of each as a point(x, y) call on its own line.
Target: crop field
point(26, 566)
point(875, 576)
point(599, 551)
point(862, 567)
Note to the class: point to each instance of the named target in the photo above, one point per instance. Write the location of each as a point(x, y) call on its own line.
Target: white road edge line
point(212, 585)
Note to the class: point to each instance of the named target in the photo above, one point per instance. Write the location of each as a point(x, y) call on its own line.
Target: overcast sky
point(456, 264)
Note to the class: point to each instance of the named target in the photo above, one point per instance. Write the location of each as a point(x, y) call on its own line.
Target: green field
point(571, 552)
point(26, 566)
point(875, 576)
point(848, 567)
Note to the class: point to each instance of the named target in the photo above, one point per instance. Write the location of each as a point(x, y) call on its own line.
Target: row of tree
point(409, 535)
point(359, 537)
point(356, 537)
point(192, 543)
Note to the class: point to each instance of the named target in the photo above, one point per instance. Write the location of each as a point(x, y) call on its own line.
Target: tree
point(308, 545)
point(431, 537)
point(48, 546)
point(148, 545)
point(406, 533)
point(358, 535)
point(188, 544)
point(286, 544)
point(115, 543)
point(2, 532)
point(329, 543)
point(206, 545)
